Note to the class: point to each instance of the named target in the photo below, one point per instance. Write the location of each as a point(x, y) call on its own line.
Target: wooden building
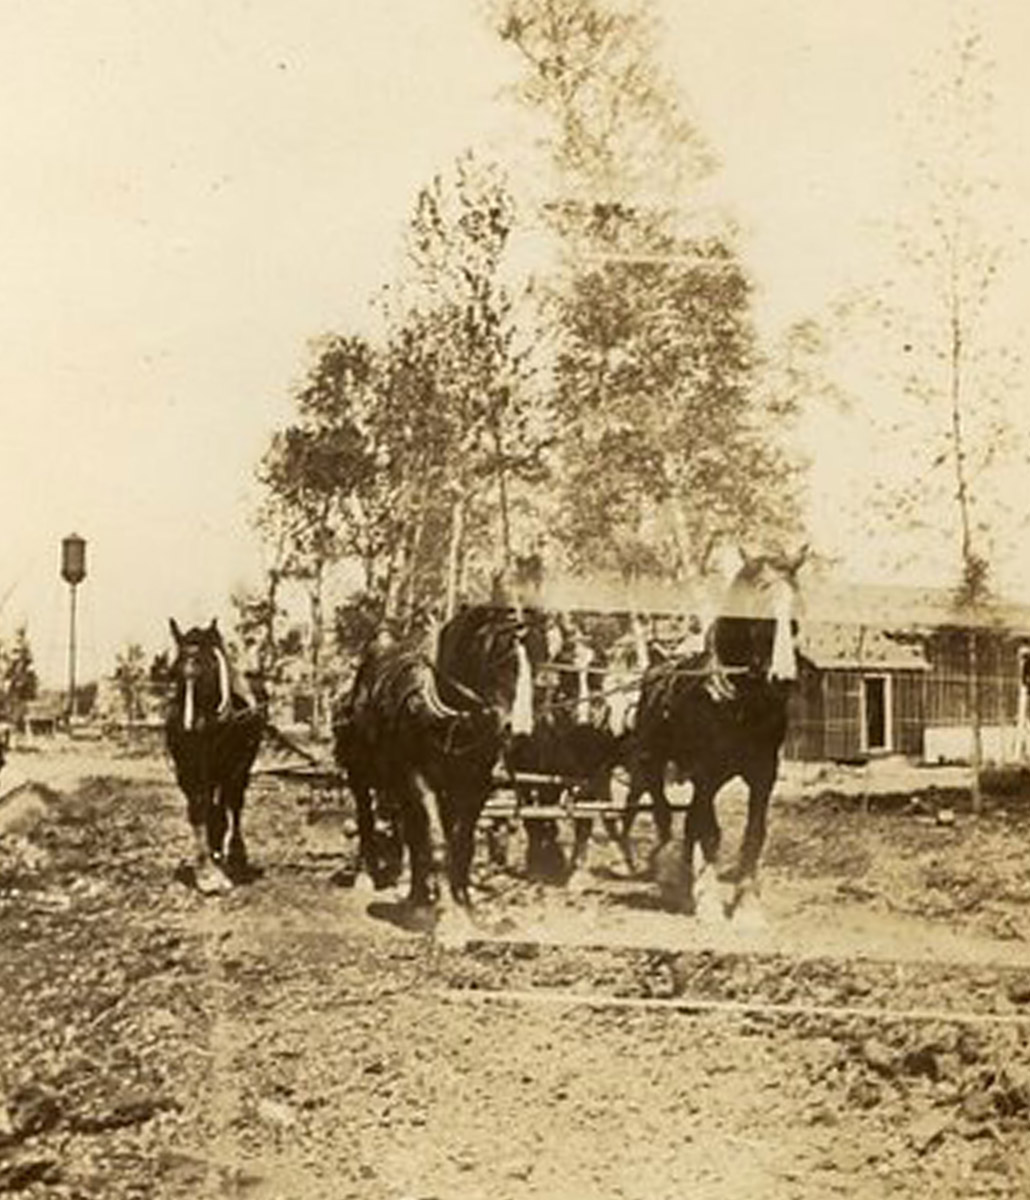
point(890, 671)
point(860, 692)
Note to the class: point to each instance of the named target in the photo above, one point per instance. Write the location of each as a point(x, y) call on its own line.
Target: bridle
point(189, 668)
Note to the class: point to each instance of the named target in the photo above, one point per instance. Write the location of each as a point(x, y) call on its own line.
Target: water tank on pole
point(73, 559)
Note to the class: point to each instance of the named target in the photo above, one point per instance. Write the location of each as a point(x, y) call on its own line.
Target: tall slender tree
point(662, 435)
point(320, 476)
point(455, 329)
point(945, 347)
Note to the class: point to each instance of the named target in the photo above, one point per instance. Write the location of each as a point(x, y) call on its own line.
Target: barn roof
point(890, 606)
point(832, 646)
point(823, 600)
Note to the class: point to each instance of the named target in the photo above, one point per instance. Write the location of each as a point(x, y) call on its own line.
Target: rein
point(233, 718)
point(635, 684)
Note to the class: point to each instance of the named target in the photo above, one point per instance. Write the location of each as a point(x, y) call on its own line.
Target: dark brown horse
point(572, 744)
point(213, 735)
point(717, 715)
point(415, 731)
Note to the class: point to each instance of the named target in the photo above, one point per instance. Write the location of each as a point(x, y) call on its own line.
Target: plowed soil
point(868, 1036)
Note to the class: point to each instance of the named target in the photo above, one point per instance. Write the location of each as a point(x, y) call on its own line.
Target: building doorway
point(876, 714)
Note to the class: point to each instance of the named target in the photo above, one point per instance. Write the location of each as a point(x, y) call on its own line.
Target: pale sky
point(190, 191)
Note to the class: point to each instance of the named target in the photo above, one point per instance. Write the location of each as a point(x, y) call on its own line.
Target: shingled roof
point(900, 608)
point(824, 600)
point(830, 645)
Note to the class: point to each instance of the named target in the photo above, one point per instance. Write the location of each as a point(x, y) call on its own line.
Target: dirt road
point(871, 1039)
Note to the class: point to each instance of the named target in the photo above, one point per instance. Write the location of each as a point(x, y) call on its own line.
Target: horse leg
point(236, 850)
point(661, 815)
point(498, 832)
point(468, 807)
point(454, 925)
point(418, 839)
point(217, 824)
point(544, 858)
point(702, 832)
point(760, 784)
point(368, 860)
point(199, 804)
point(599, 789)
point(583, 828)
point(622, 834)
point(534, 848)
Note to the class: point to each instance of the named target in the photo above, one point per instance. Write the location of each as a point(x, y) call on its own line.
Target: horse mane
point(470, 639)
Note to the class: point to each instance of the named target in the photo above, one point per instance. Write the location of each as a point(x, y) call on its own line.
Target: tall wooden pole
point(71, 655)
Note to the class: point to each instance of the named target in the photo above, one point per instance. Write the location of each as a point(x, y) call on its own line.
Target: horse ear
point(173, 625)
point(731, 560)
point(797, 562)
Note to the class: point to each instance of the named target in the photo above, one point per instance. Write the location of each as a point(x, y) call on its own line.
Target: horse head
point(486, 650)
point(200, 674)
point(757, 627)
point(508, 686)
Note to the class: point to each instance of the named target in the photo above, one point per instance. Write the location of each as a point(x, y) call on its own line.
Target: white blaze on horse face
point(639, 643)
point(784, 664)
point(522, 707)
point(554, 642)
point(582, 657)
point(187, 706)
point(433, 629)
point(224, 691)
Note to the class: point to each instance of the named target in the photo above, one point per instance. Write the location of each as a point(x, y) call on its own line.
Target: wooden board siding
point(826, 715)
point(909, 712)
point(805, 718)
point(842, 701)
point(947, 686)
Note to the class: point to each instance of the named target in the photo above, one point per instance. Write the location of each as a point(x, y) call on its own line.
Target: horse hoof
point(211, 881)
point(746, 910)
point(669, 871)
point(454, 929)
point(236, 858)
point(708, 908)
point(363, 885)
point(578, 881)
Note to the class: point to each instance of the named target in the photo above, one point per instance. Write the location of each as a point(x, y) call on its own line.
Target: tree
point(455, 334)
point(130, 677)
point(663, 440)
point(960, 377)
point(257, 623)
point(666, 437)
point(159, 673)
point(18, 674)
point(950, 434)
point(320, 474)
point(615, 128)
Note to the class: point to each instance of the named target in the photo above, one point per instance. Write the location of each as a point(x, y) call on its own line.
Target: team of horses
point(425, 731)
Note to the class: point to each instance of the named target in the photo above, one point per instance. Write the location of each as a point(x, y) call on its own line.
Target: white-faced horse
point(718, 715)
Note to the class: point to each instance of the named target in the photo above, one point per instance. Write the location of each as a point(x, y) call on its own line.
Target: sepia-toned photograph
point(514, 600)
